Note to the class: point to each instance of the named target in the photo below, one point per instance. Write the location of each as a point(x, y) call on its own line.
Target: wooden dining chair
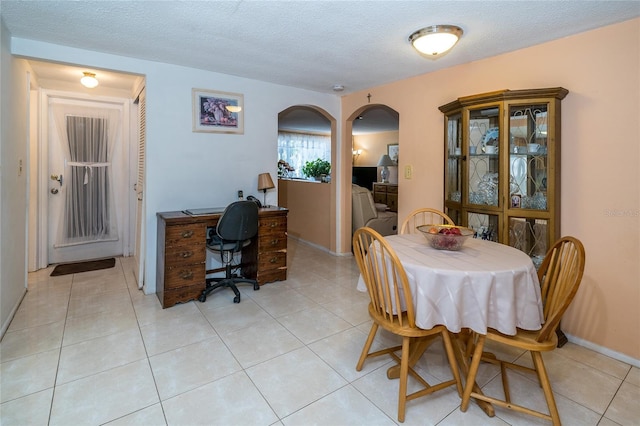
point(392, 309)
point(560, 275)
point(424, 216)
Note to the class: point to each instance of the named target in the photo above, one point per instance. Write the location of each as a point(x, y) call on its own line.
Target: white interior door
point(85, 218)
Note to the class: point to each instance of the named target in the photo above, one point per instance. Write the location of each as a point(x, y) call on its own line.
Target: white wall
point(13, 182)
point(186, 169)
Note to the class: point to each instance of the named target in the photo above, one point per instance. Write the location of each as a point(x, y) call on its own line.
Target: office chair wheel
point(236, 299)
point(202, 298)
point(256, 286)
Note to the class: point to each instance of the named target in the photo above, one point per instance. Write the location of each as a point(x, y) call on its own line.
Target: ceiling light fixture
point(435, 40)
point(338, 87)
point(89, 80)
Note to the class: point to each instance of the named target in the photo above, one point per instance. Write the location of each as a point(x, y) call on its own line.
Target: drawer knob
point(273, 260)
point(274, 224)
point(187, 234)
point(274, 242)
point(185, 275)
point(186, 254)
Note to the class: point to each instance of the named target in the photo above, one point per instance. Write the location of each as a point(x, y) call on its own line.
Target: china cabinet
point(502, 166)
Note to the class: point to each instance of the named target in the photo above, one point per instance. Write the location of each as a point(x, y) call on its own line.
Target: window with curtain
point(297, 148)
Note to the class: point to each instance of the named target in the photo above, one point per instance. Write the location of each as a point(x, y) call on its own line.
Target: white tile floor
point(92, 349)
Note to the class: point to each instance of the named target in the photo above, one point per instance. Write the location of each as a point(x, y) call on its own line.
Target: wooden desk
point(181, 251)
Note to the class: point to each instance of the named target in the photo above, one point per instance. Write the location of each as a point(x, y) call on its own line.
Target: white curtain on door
point(87, 137)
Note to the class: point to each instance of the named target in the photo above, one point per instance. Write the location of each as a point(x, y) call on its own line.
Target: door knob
point(54, 191)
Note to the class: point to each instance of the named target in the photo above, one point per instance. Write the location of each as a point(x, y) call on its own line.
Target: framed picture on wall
point(392, 151)
point(218, 112)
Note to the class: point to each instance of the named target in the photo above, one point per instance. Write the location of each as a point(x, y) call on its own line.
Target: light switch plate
point(408, 172)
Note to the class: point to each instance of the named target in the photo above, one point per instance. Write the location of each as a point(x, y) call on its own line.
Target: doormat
point(76, 268)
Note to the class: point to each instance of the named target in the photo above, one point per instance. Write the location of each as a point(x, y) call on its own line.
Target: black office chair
point(235, 229)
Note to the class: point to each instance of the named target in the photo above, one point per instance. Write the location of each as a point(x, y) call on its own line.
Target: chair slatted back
point(384, 276)
point(560, 275)
point(424, 216)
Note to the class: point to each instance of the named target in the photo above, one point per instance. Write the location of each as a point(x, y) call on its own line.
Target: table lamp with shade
point(385, 162)
point(265, 182)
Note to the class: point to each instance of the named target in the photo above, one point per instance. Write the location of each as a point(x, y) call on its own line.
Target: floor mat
point(76, 268)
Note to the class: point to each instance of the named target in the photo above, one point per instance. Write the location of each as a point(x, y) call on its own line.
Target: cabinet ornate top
point(504, 95)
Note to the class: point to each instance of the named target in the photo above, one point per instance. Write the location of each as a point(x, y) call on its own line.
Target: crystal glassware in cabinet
point(483, 169)
point(505, 184)
point(529, 145)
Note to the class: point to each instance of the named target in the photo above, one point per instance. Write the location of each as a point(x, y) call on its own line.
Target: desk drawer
point(184, 275)
point(272, 225)
point(272, 275)
point(178, 235)
point(272, 260)
point(180, 295)
point(185, 255)
point(272, 242)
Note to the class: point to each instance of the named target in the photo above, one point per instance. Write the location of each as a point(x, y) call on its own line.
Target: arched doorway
point(307, 201)
point(375, 141)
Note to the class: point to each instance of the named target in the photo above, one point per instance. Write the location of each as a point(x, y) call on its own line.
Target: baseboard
point(604, 351)
point(319, 247)
point(6, 324)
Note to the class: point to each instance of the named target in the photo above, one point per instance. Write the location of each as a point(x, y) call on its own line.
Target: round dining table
point(483, 285)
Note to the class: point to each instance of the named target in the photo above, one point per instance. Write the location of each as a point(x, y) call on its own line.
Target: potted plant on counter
point(318, 169)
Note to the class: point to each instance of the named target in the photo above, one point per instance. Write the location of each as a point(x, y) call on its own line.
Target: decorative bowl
point(446, 237)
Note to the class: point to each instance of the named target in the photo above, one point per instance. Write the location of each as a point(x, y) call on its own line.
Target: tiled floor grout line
point(64, 327)
point(146, 352)
point(132, 288)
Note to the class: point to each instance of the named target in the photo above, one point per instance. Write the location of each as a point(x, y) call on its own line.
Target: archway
point(310, 202)
point(375, 133)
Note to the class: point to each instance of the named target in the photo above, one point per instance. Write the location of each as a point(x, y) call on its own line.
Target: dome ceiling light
point(89, 80)
point(435, 40)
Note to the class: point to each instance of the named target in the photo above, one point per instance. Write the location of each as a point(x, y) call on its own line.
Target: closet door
point(138, 269)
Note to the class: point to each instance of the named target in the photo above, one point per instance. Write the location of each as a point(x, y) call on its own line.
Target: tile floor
point(92, 349)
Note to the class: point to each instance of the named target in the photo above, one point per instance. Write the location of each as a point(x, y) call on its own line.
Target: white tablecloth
point(483, 285)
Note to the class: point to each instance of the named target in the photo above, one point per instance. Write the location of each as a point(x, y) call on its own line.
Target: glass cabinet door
point(531, 236)
point(486, 226)
point(453, 164)
point(528, 148)
point(483, 176)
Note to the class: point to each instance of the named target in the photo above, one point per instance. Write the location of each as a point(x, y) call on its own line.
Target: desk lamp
point(264, 183)
point(385, 162)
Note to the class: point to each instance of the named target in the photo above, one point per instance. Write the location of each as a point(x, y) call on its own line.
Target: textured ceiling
point(306, 44)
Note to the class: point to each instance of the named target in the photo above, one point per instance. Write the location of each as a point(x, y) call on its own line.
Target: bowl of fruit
point(446, 237)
